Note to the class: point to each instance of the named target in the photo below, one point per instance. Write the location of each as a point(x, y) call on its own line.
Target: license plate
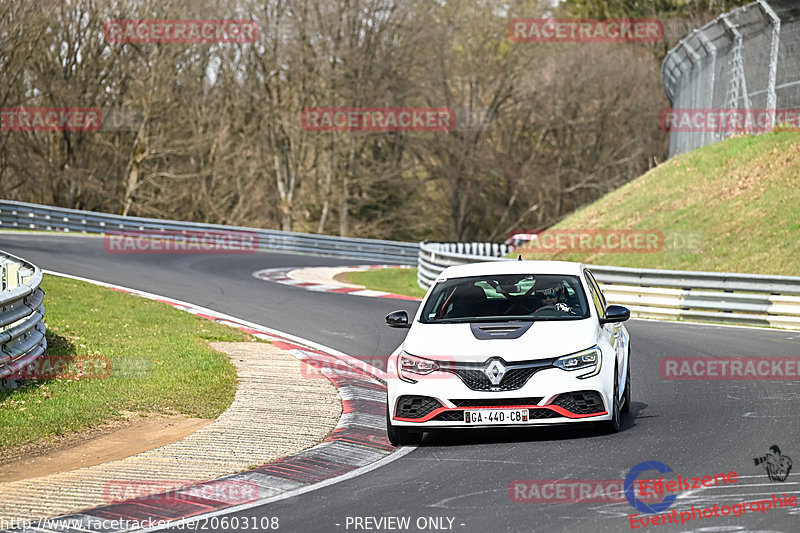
point(496, 416)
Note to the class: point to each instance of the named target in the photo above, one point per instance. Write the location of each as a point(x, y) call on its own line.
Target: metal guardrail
point(21, 215)
point(22, 327)
point(481, 249)
point(673, 294)
point(435, 257)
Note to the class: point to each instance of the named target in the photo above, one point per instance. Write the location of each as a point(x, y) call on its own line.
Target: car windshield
point(493, 298)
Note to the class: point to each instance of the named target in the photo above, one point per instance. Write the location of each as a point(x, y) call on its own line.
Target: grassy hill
point(740, 197)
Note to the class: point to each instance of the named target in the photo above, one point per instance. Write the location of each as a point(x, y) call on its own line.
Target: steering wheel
point(515, 308)
point(546, 308)
point(517, 303)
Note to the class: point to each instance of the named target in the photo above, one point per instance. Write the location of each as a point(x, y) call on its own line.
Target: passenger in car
point(467, 302)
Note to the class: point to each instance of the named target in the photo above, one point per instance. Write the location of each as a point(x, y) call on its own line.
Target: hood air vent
point(503, 330)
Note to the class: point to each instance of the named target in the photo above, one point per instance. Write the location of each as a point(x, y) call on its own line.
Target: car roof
point(513, 267)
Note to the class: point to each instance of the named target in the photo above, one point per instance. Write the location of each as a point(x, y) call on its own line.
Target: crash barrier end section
point(22, 329)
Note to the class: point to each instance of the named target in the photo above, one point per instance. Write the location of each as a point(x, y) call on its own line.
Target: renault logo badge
point(495, 371)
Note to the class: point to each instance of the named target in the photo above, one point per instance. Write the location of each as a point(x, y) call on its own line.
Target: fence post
point(712, 52)
point(738, 81)
point(697, 72)
point(773, 58)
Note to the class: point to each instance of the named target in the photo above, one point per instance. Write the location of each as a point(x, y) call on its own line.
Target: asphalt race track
point(460, 480)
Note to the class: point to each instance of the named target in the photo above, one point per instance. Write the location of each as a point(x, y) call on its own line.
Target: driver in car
point(552, 295)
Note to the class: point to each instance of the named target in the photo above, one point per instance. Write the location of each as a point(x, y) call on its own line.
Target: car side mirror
point(615, 313)
point(397, 319)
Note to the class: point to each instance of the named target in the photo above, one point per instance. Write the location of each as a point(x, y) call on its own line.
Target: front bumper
point(550, 396)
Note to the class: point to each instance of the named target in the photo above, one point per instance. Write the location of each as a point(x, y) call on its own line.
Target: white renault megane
point(509, 343)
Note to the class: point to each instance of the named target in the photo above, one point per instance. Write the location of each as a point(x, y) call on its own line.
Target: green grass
point(160, 363)
point(740, 196)
point(395, 280)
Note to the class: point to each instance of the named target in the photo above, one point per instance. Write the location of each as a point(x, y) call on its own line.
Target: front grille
point(584, 402)
point(535, 414)
point(415, 406)
point(514, 379)
point(449, 416)
point(496, 402)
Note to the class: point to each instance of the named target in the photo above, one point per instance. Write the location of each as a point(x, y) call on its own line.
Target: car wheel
point(626, 396)
point(613, 425)
point(400, 436)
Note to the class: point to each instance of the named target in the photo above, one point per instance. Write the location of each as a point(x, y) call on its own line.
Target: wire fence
point(745, 62)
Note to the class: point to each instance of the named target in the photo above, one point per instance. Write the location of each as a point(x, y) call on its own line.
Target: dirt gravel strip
point(357, 441)
point(321, 279)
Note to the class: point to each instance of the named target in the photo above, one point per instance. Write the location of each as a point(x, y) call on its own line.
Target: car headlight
point(587, 359)
point(411, 365)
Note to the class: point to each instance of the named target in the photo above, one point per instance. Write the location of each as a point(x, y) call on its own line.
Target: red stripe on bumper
point(560, 410)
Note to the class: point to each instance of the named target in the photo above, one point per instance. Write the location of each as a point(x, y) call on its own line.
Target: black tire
point(613, 425)
point(400, 436)
point(626, 396)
